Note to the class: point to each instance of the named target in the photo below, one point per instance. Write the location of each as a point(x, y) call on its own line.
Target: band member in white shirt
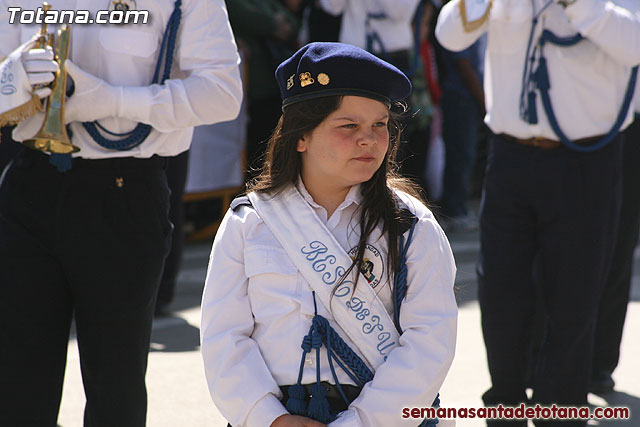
point(329, 296)
point(84, 236)
point(559, 81)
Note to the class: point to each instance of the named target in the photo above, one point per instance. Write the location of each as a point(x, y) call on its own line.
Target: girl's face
point(348, 147)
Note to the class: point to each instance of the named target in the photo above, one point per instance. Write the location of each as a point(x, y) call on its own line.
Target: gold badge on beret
point(306, 79)
point(123, 5)
point(290, 81)
point(323, 79)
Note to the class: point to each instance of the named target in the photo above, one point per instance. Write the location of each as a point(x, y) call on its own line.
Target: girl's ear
point(302, 145)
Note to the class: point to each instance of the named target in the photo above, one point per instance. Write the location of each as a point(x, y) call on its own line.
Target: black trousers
point(613, 305)
point(177, 168)
point(9, 149)
point(560, 208)
point(89, 244)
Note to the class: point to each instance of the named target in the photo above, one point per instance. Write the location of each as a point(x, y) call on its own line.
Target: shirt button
point(308, 360)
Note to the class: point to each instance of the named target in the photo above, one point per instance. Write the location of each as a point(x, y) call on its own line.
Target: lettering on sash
point(323, 263)
point(6, 80)
point(317, 254)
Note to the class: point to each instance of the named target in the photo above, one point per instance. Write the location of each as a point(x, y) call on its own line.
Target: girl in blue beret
point(329, 295)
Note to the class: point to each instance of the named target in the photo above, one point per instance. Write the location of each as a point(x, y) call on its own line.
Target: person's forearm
point(450, 30)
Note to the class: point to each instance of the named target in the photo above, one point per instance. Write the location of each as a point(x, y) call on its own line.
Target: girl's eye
point(380, 124)
point(350, 126)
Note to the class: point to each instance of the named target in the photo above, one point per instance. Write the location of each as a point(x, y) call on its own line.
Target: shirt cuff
point(265, 411)
point(133, 103)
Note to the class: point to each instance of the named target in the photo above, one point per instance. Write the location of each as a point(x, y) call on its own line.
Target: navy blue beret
point(326, 69)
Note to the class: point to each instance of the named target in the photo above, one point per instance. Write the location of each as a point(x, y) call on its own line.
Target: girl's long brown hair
point(283, 164)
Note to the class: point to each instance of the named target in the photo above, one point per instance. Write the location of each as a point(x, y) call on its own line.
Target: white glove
point(27, 129)
point(40, 68)
point(92, 99)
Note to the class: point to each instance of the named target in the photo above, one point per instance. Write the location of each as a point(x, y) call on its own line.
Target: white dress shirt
point(394, 30)
point(204, 86)
point(257, 307)
point(588, 80)
point(634, 6)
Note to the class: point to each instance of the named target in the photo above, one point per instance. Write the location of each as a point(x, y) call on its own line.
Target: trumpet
point(52, 136)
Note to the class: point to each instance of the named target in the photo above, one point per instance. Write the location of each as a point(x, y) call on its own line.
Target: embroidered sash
point(322, 261)
point(17, 102)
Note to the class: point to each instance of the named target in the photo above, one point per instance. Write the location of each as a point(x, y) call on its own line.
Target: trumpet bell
point(52, 136)
point(51, 143)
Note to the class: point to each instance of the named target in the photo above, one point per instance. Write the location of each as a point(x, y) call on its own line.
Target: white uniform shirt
point(588, 80)
point(394, 30)
point(204, 85)
point(257, 307)
point(634, 6)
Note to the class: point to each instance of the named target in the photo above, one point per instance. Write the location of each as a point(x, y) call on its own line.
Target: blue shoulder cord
point(540, 79)
point(137, 135)
point(528, 108)
point(339, 351)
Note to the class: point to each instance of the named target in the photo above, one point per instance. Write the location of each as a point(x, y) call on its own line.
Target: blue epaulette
point(240, 201)
point(406, 219)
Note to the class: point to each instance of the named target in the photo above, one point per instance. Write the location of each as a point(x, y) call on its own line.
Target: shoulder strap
point(406, 219)
point(240, 201)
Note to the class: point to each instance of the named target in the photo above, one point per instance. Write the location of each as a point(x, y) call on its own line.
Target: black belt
point(336, 402)
point(545, 143)
point(30, 156)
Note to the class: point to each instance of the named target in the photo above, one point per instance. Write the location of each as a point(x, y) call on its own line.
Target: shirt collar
point(353, 196)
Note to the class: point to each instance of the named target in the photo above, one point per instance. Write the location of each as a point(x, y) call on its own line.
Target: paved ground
point(177, 391)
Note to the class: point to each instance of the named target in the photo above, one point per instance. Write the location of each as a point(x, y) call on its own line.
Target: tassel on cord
point(62, 162)
point(297, 401)
point(542, 75)
point(22, 112)
point(319, 408)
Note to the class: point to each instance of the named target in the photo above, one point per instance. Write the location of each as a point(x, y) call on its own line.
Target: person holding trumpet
point(84, 228)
